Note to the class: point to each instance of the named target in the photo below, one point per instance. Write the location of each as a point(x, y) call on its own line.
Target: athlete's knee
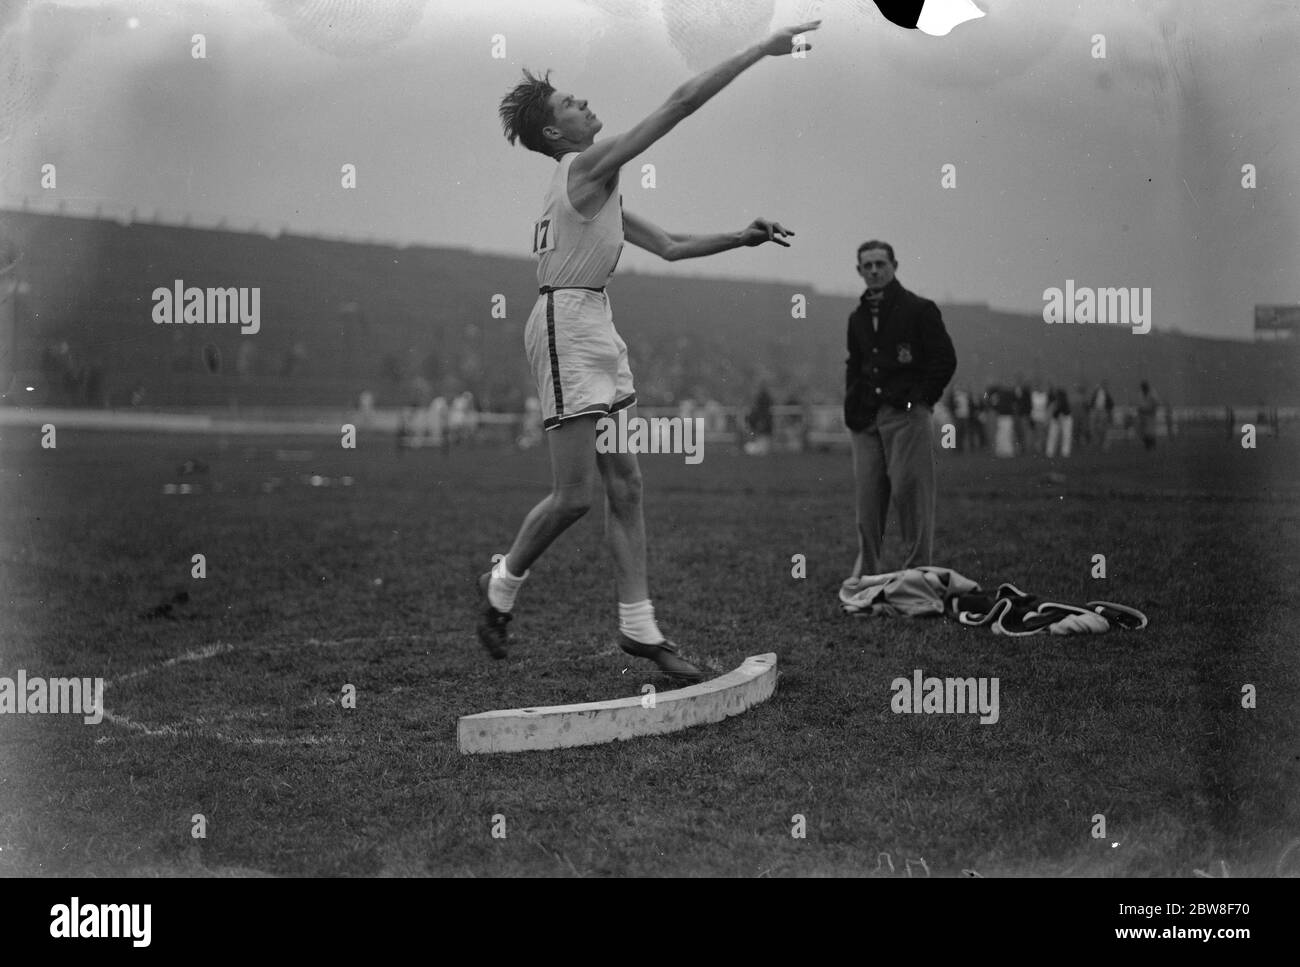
point(571, 505)
point(624, 490)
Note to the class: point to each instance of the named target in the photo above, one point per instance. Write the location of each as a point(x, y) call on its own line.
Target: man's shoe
point(665, 656)
point(492, 632)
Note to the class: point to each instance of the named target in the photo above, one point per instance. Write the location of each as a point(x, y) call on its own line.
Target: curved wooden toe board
point(591, 723)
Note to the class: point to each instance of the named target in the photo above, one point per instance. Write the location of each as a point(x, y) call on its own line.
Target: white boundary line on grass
point(168, 728)
point(197, 654)
point(201, 728)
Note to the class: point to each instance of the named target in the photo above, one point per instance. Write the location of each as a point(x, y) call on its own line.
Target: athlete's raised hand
point(782, 42)
point(760, 230)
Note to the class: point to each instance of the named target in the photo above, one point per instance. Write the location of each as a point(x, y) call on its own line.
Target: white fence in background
point(793, 427)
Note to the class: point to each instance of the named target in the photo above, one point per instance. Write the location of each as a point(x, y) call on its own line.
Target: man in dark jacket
point(900, 361)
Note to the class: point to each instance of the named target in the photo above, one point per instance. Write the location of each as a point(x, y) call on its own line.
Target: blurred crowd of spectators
point(1020, 418)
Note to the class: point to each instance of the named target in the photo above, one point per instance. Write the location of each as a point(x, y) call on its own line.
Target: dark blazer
point(910, 361)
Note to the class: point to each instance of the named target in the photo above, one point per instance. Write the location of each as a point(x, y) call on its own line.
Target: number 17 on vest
point(543, 237)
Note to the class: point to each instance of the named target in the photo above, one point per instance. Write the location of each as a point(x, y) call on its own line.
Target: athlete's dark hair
point(876, 243)
point(526, 110)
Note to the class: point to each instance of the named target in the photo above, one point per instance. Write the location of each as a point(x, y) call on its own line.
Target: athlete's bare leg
point(625, 522)
point(625, 531)
point(573, 468)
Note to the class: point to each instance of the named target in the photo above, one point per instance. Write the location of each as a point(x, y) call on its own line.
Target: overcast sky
point(1122, 171)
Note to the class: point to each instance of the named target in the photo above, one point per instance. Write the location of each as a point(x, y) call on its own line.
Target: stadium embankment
point(405, 323)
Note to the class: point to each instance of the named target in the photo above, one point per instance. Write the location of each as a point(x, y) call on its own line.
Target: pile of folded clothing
point(1006, 611)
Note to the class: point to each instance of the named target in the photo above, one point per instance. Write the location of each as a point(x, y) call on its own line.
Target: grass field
point(372, 584)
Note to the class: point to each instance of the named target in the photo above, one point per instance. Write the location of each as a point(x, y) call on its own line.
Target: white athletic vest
point(572, 250)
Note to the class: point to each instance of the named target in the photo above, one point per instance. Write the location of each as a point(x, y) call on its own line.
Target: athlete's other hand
point(760, 230)
point(782, 42)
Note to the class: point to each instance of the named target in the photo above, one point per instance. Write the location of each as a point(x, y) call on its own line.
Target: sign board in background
point(1277, 322)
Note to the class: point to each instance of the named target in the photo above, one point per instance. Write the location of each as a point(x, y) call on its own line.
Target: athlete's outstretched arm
point(602, 160)
point(645, 234)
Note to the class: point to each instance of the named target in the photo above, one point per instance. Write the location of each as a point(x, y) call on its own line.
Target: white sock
point(503, 586)
point(637, 621)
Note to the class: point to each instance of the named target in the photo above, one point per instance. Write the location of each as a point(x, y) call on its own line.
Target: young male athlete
point(578, 358)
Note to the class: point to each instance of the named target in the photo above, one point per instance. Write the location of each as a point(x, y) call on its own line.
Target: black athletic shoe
point(492, 633)
point(665, 656)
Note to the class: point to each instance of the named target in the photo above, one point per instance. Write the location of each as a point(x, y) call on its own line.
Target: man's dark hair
point(526, 110)
point(876, 243)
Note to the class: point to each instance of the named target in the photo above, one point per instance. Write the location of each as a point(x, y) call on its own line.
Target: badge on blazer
point(904, 353)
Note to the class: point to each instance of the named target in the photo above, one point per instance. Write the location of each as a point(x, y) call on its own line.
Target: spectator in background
point(456, 420)
point(1148, 407)
point(1038, 417)
point(977, 437)
point(760, 424)
point(900, 361)
point(960, 403)
point(715, 418)
point(1081, 407)
point(1060, 426)
point(941, 417)
point(438, 433)
point(1266, 417)
point(407, 427)
point(1103, 410)
point(463, 419)
point(794, 432)
point(989, 409)
point(1002, 400)
point(1021, 406)
point(530, 432)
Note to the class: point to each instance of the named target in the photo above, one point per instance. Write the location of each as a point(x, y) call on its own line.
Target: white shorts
point(578, 358)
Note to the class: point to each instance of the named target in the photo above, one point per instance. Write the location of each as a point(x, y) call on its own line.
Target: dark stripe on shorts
point(554, 421)
point(555, 356)
point(623, 403)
